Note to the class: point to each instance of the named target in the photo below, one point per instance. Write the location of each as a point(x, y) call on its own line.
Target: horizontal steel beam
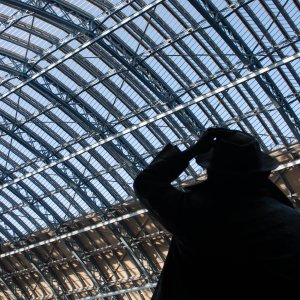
point(287, 165)
point(141, 211)
point(84, 46)
point(15, 18)
point(99, 296)
point(251, 75)
point(134, 289)
point(108, 248)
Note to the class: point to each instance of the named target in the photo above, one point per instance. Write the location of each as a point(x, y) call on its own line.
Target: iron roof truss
point(91, 91)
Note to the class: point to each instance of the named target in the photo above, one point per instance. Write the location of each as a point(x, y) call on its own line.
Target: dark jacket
point(229, 241)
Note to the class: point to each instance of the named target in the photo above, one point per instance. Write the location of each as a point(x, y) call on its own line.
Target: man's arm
point(153, 185)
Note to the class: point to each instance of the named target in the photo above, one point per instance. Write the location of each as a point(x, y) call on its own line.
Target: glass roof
point(92, 90)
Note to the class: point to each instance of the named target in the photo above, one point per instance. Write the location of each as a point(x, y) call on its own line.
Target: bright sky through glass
point(89, 95)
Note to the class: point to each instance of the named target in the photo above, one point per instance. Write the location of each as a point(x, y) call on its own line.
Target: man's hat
point(236, 152)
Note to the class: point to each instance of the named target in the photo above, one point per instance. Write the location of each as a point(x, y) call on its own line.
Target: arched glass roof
point(92, 90)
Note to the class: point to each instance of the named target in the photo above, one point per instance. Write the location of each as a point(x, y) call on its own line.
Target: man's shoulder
point(204, 200)
point(283, 212)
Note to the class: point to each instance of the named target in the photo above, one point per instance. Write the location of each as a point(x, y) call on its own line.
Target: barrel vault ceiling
point(91, 91)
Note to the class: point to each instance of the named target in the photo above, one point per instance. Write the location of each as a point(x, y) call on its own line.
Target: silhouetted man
point(235, 235)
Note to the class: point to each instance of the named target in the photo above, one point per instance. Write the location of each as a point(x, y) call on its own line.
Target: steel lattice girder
point(29, 66)
point(240, 48)
point(101, 128)
point(139, 70)
point(38, 264)
point(171, 111)
point(131, 57)
point(118, 233)
point(118, 43)
point(71, 109)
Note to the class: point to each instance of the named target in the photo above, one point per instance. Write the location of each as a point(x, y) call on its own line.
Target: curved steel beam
point(12, 227)
point(30, 201)
point(33, 205)
point(120, 95)
point(76, 58)
point(77, 179)
point(90, 275)
point(214, 17)
point(57, 170)
point(147, 41)
point(15, 217)
point(44, 272)
point(202, 68)
point(142, 73)
point(150, 97)
point(269, 37)
point(47, 194)
point(102, 162)
point(20, 209)
point(236, 73)
point(44, 278)
point(107, 82)
point(160, 116)
point(124, 241)
point(129, 25)
point(39, 88)
point(60, 172)
point(171, 40)
point(51, 152)
point(8, 288)
point(16, 285)
point(286, 16)
point(118, 178)
point(65, 97)
point(215, 80)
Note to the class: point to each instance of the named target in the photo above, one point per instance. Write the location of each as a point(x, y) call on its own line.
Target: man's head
point(236, 153)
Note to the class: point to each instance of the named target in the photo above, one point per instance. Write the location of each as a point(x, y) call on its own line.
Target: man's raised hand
point(206, 141)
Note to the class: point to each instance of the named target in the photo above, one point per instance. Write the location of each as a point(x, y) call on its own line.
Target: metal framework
point(90, 91)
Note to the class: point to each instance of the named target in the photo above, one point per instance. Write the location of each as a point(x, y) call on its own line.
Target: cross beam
point(138, 288)
point(84, 46)
point(9, 289)
point(75, 232)
point(251, 75)
point(117, 219)
point(242, 51)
